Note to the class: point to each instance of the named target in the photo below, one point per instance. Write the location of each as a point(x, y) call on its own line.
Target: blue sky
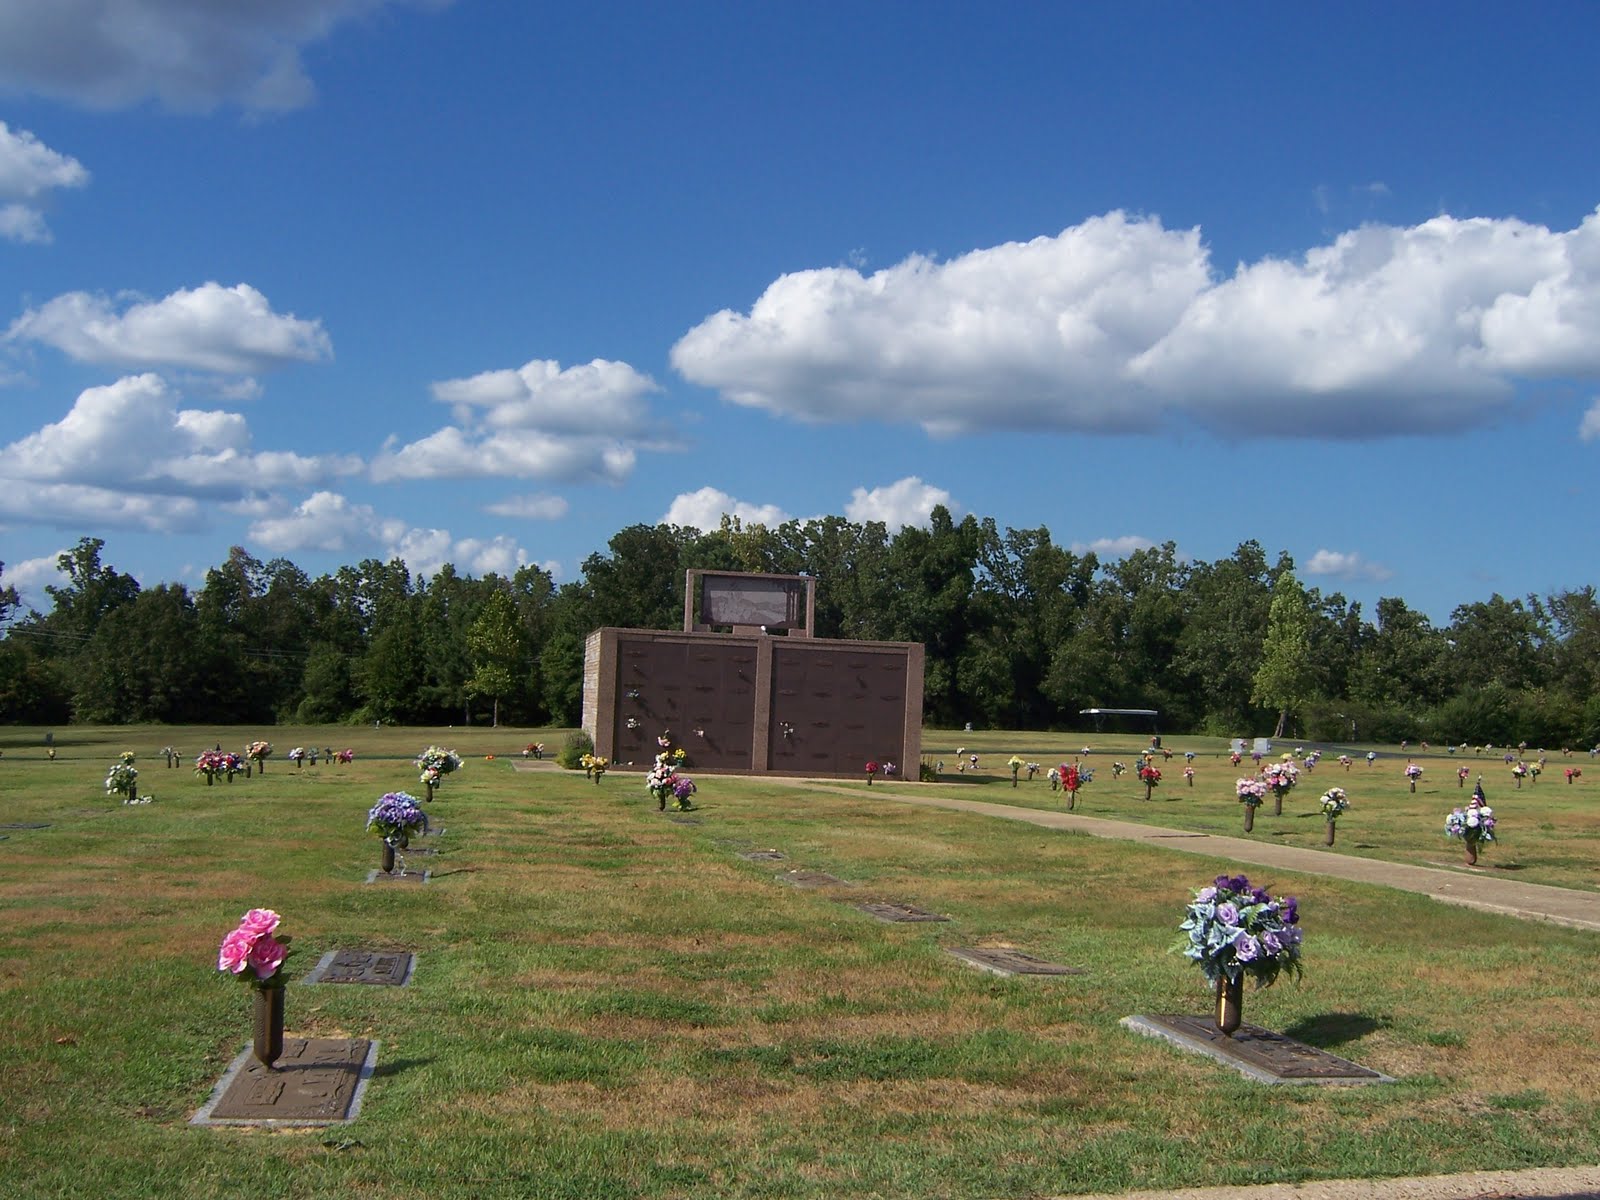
point(484, 282)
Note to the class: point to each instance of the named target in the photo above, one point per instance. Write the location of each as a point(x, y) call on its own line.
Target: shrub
point(573, 749)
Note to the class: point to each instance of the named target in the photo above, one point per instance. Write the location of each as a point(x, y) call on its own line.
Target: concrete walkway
point(1473, 888)
point(1573, 1182)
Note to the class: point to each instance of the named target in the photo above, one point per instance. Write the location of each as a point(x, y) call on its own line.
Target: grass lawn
point(611, 1003)
point(1549, 830)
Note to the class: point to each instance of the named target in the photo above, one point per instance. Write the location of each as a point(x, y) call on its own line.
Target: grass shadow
point(1334, 1029)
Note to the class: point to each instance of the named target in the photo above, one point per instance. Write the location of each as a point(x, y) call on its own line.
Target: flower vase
point(267, 1032)
point(1191, 781)
point(1230, 1004)
point(1328, 840)
point(388, 857)
point(1013, 779)
point(428, 795)
point(1072, 801)
point(1413, 785)
point(211, 779)
point(1148, 791)
point(1249, 817)
point(1472, 852)
point(1277, 804)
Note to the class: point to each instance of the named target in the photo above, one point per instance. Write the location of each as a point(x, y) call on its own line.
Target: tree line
point(1020, 632)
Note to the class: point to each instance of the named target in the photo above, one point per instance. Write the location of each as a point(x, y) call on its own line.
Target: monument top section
point(749, 603)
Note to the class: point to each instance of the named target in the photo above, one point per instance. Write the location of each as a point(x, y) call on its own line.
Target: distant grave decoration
point(665, 779)
point(258, 753)
point(435, 763)
point(1251, 793)
point(123, 779)
point(1334, 804)
point(1474, 824)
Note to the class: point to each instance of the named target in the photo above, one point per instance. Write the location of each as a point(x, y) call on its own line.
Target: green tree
point(498, 649)
point(1287, 675)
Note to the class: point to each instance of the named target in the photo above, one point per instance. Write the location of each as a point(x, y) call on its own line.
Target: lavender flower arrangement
point(395, 817)
point(1233, 930)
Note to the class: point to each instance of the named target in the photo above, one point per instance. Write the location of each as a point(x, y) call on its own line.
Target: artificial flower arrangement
point(536, 749)
point(435, 763)
point(212, 763)
point(1281, 778)
point(1054, 776)
point(1016, 764)
point(1251, 792)
point(663, 780)
point(1150, 776)
point(1117, 768)
point(1518, 771)
point(298, 757)
point(123, 779)
point(1473, 824)
point(1372, 757)
point(1188, 774)
point(1344, 761)
point(594, 766)
point(1574, 773)
point(1413, 773)
point(343, 757)
point(258, 752)
point(1233, 931)
point(1074, 777)
point(395, 817)
point(1032, 769)
point(871, 769)
point(1334, 803)
point(253, 954)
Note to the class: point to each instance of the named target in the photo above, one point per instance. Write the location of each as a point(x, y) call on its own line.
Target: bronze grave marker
point(899, 913)
point(317, 1081)
point(1002, 960)
point(387, 967)
point(1256, 1053)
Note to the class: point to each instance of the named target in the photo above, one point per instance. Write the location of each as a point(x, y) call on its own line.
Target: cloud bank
point(227, 330)
point(1119, 324)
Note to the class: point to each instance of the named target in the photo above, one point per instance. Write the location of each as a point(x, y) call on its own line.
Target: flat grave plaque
point(388, 967)
point(1256, 1053)
point(397, 877)
point(899, 913)
point(25, 825)
point(423, 850)
point(439, 832)
point(318, 1081)
point(677, 820)
point(1002, 960)
point(762, 856)
point(810, 879)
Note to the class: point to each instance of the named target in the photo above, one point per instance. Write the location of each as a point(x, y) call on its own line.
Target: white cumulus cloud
point(189, 56)
point(330, 522)
point(230, 330)
point(29, 172)
point(1339, 565)
point(705, 508)
point(907, 501)
point(128, 444)
point(529, 508)
point(540, 395)
point(579, 424)
point(1118, 324)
